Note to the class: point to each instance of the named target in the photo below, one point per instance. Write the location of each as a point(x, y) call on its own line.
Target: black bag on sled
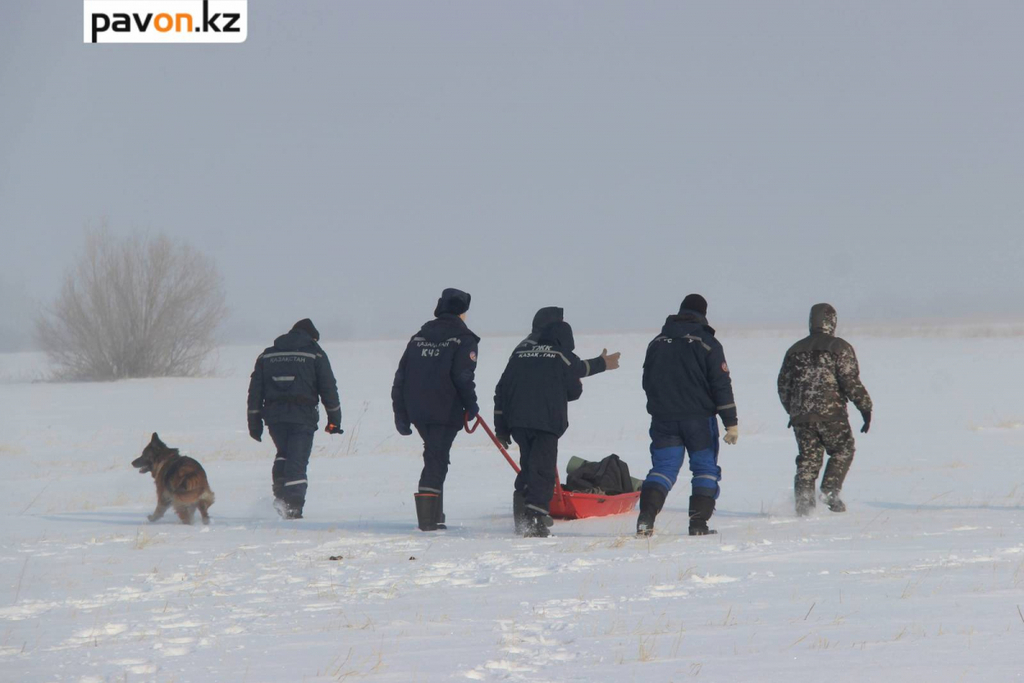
point(609, 477)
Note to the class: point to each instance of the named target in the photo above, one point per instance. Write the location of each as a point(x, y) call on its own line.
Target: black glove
point(404, 428)
point(334, 429)
point(504, 439)
point(256, 429)
point(866, 414)
point(471, 414)
point(499, 424)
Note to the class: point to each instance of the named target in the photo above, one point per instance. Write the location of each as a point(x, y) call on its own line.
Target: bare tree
point(133, 307)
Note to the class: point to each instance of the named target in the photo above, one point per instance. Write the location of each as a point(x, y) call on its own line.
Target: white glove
point(732, 435)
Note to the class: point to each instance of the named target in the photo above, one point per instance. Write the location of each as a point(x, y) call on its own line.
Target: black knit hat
point(695, 303)
point(306, 325)
point(452, 301)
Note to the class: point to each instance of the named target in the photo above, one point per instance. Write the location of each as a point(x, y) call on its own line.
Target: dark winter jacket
point(435, 381)
point(288, 380)
point(685, 373)
point(820, 374)
point(548, 316)
point(538, 383)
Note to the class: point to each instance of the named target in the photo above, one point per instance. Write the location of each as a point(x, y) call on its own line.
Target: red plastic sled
point(570, 504)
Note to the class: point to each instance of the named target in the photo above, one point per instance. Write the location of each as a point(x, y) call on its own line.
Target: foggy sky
point(351, 159)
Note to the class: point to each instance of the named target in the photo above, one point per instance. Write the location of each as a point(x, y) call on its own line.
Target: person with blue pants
point(688, 388)
point(671, 439)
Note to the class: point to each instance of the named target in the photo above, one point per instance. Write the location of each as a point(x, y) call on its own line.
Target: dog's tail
point(194, 487)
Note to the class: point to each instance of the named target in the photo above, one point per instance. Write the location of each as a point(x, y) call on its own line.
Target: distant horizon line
point(910, 327)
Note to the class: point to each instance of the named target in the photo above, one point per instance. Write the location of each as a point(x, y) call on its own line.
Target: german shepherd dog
point(180, 481)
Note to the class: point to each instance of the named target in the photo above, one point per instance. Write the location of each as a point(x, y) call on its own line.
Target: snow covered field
point(923, 579)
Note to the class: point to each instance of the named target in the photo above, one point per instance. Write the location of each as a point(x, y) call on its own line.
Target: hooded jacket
point(288, 380)
point(539, 381)
point(820, 374)
point(550, 315)
point(685, 373)
point(436, 378)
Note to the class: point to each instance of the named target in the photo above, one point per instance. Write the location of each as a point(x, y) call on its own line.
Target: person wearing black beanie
point(290, 379)
point(435, 392)
point(695, 303)
point(688, 388)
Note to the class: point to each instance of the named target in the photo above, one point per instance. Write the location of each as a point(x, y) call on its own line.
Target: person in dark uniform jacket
point(544, 317)
point(688, 387)
point(289, 380)
point(556, 314)
point(435, 391)
point(531, 405)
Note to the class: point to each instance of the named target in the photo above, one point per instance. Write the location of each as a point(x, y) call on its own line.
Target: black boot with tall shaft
point(701, 509)
point(426, 510)
point(652, 499)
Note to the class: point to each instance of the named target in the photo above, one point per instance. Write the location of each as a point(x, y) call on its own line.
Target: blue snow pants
point(671, 439)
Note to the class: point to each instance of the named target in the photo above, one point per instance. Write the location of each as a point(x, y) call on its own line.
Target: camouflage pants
point(813, 440)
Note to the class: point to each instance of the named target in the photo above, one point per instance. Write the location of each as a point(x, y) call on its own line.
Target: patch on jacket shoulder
point(725, 367)
point(472, 356)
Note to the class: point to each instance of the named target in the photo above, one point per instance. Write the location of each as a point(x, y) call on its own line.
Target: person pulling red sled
point(531, 406)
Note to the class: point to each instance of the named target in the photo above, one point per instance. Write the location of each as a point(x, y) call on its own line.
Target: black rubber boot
point(833, 501)
point(440, 511)
point(426, 511)
point(804, 501)
point(519, 512)
point(536, 525)
point(701, 509)
point(652, 499)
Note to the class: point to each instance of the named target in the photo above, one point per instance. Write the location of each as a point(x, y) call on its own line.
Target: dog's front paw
point(153, 518)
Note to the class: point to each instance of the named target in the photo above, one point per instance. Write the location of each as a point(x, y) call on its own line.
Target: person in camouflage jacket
point(819, 376)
